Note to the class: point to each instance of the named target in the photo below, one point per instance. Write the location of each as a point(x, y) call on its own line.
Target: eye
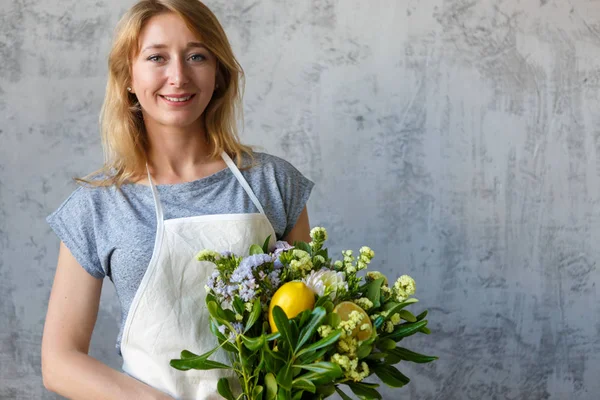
point(155, 58)
point(197, 57)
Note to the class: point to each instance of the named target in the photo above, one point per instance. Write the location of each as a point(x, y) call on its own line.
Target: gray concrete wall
point(459, 139)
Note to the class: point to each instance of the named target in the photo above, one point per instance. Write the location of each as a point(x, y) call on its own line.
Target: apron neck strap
point(157, 205)
point(236, 172)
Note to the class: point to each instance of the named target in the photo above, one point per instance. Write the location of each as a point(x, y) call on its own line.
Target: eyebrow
point(163, 46)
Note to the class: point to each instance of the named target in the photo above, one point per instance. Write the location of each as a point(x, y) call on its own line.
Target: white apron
point(168, 313)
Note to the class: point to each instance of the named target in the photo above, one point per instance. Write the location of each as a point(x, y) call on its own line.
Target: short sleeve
point(73, 223)
point(294, 190)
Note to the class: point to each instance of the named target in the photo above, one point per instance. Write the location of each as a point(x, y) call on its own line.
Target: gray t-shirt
point(111, 232)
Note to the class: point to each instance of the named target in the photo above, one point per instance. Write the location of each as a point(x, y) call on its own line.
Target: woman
point(169, 188)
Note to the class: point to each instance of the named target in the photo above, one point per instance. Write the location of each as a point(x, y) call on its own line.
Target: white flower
point(326, 282)
point(318, 234)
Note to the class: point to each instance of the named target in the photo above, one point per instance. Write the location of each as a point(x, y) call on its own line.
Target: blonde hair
point(122, 127)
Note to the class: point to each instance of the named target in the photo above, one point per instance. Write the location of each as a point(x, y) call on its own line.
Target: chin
point(180, 122)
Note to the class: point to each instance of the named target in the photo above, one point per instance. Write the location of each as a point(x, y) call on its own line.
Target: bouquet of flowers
point(298, 325)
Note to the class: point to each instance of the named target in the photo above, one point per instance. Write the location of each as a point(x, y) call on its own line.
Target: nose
point(177, 71)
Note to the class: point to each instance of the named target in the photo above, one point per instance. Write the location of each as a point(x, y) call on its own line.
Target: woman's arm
point(300, 231)
point(67, 368)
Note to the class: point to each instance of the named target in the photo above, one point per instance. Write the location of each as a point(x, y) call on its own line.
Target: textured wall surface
point(457, 138)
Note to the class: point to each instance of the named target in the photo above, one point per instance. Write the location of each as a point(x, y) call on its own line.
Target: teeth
point(178, 99)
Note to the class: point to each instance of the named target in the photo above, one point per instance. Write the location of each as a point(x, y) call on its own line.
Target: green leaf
point(227, 314)
point(257, 392)
point(324, 372)
point(255, 249)
point(422, 315)
point(298, 395)
point(238, 305)
point(373, 292)
point(271, 384)
point(425, 330)
point(227, 345)
point(405, 330)
point(308, 358)
point(295, 332)
point(327, 341)
point(319, 379)
point(321, 300)
point(377, 356)
point(363, 391)
point(265, 246)
point(215, 329)
point(406, 302)
point(253, 343)
point(386, 344)
point(198, 363)
point(328, 306)
point(371, 385)
point(283, 326)
point(254, 315)
point(365, 349)
point(333, 319)
point(303, 317)
point(326, 390)
point(303, 246)
point(407, 316)
point(393, 307)
point(276, 354)
point(303, 384)
point(272, 336)
point(213, 311)
point(378, 322)
point(188, 354)
point(316, 318)
point(283, 394)
point(284, 377)
point(224, 389)
point(390, 375)
point(405, 354)
point(322, 367)
point(343, 395)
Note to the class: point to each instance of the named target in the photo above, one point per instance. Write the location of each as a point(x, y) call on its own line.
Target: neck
point(177, 154)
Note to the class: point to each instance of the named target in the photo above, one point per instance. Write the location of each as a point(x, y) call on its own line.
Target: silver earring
point(128, 89)
point(217, 86)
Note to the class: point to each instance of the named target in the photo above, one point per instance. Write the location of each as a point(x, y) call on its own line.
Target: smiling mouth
point(178, 99)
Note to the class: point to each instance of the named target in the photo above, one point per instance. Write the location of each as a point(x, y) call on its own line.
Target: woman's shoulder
point(88, 196)
point(276, 171)
point(272, 164)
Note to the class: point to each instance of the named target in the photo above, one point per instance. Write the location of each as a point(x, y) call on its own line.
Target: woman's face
point(173, 76)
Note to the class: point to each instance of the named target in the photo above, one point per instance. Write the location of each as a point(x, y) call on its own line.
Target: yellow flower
point(389, 327)
point(208, 255)
point(364, 303)
point(405, 284)
point(324, 330)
